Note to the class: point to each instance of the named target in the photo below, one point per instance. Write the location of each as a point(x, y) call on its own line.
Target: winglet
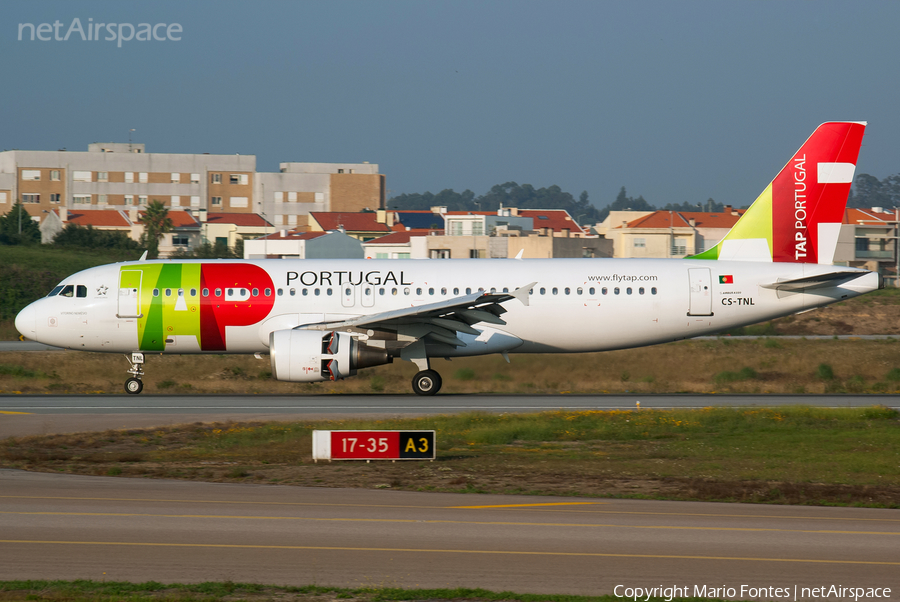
point(522, 292)
point(520, 253)
point(144, 256)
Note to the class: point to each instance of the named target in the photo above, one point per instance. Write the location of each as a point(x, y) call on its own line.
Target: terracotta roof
point(98, 218)
point(555, 219)
point(400, 238)
point(681, 219)
point(180, 219)
point(867, 217)
point(238, 219)
point(350, 222)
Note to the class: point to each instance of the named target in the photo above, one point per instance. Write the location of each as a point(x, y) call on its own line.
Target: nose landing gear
point(135, 385)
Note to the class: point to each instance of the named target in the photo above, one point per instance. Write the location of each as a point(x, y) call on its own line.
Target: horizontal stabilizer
point(812, 282)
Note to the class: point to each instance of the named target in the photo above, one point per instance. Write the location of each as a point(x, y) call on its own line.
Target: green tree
point(17, 227)
point(156, 222)
point(88, 238)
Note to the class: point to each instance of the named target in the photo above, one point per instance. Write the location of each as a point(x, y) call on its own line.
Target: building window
point(216, 200)
point(31, 175)
point(640, 243)
point(215, 178)
point(292, 220)
point(455, 228)
point(129, 199)
point(180, 241)
point(403, 255)
point(142, 200)
point(54, 198)
point(238, 178)
point(176, 178)
point(382, 256)
point(2, 197)
point(54, 175)
point(279, 196)
point(82, 199)
point(476, 253)
point(142, 177)
point(195, 201)
point(238, 201)
point(195, 178)
point(32, 198)
point(440, 254)
point(102, 176)
point(679, 247)
point(81, 176)
point(862, 244)
point(340, 171)
point(175, 201)
point(129, 177)
point(477, 228)
point(101, 199)
point(292, 197)
point(222, 241)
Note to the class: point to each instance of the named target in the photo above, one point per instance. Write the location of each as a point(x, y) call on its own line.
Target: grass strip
point(789, 455)
point(152, 591)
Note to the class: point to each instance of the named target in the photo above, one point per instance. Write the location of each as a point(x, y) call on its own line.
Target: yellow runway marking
point(527, 509)
point(448, 522)
point(5, 412)
point(437, 551)
point(527, 505)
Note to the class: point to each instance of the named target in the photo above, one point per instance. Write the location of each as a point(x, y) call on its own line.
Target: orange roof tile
point(681, 219)
point(399, 238)
point(863, 217)
point(555, 219)
point(98, 218)
point(238, 219)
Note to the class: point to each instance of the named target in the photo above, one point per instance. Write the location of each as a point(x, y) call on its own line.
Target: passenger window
point(455, 291)
point(653, 291)
point(406, 291)
point(418, 291)
point(592, 290)
point(69, 291)
point(468, 291)
point(367, 292)
point(493, 290)
point(605, 290)
point(328, 292)
point(579, 290)
point(505, 289)
point(280, 292)
point(255, 292)
point(381, 292)
point(168, 292)
point(431, 291)
point(243, 292)
point(193, 292)
point(81, 291)
point(181, 292)
point(543, 291)
point(628, 290)
point(393, 291)
point(229, 292)
point(641, 290)
point(347, 292)
point(316, 292)
point(616, 290)
point(268, 292)
point(555, 290)
point(218, 292)
point(568, 290)
point(444, 291)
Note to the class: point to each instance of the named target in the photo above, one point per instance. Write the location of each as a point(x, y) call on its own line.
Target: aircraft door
point(701, 292)
point(368, 295)
point(129, 298)
point(348, 295)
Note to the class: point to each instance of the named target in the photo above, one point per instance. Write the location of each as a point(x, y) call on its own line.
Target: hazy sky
point(676, 100)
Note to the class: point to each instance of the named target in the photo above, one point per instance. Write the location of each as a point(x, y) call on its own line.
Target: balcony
point(889, 254)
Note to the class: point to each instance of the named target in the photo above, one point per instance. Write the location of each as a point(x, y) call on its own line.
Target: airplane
point(325, 319)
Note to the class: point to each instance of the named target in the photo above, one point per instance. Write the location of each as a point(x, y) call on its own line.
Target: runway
point(44, 414)
point(73, 527)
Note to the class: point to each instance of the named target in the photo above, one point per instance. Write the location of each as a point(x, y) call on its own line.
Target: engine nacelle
point(312, 355)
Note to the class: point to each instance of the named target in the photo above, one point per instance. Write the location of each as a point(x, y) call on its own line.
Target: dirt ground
point(858, 319)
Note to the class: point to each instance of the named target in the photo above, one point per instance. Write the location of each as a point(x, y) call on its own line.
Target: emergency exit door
point(701, 292)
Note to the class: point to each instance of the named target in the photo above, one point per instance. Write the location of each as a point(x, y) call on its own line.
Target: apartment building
point(118, 176)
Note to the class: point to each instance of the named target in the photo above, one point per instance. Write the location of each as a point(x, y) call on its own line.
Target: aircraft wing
point(440, 321)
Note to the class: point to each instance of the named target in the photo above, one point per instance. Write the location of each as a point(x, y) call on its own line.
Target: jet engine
point(312, 355)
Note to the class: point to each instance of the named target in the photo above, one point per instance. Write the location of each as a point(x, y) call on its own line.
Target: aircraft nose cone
point(26, 322)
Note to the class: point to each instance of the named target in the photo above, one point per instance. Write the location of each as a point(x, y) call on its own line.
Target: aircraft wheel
point(426, 382)
point(134, 386)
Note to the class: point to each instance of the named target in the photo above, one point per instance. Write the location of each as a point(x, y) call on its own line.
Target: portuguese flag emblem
point(726, 279)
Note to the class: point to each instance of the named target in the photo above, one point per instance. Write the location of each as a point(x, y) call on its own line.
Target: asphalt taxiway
point(75, 527)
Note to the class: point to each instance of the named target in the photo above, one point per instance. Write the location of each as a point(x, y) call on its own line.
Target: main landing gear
point(135, 385)
point(426, 382)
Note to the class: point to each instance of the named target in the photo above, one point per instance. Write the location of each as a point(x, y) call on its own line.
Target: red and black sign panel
point(382, 445)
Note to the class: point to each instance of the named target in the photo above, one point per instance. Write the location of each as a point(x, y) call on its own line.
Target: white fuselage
point(576, 305)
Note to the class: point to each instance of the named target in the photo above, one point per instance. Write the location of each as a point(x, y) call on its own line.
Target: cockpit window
point(67, 291)
point(55, 291)
point(81, 291)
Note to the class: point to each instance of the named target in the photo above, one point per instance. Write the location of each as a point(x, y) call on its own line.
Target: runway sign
point(373, 445)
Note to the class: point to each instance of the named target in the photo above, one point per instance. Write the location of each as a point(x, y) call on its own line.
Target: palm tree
point(156, 222)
